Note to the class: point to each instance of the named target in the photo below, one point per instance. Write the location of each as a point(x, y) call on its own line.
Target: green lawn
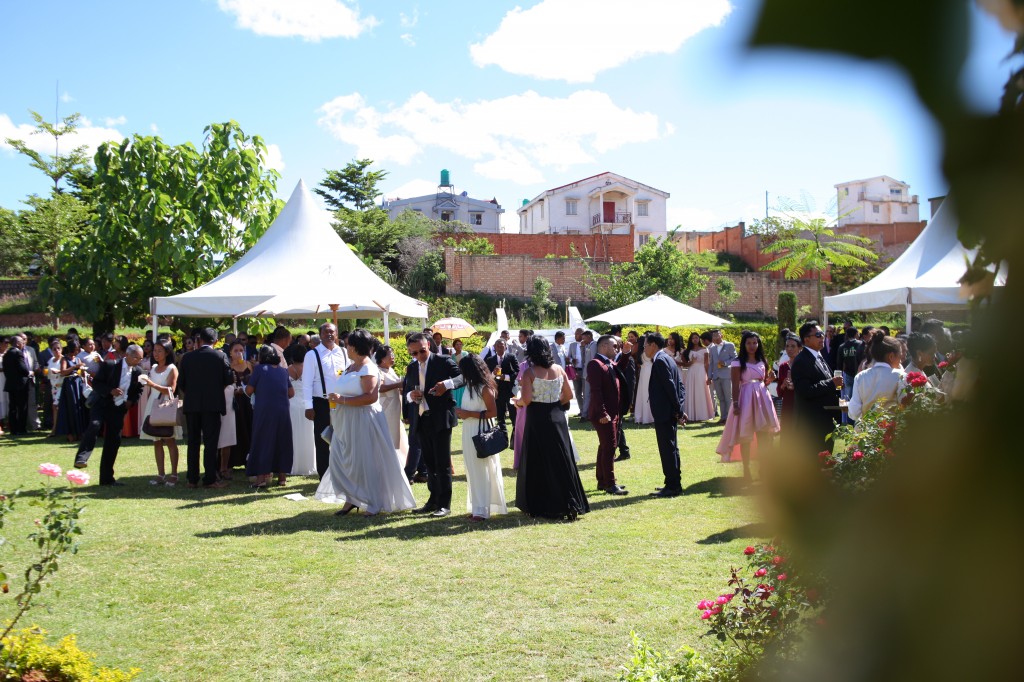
point(233, 584)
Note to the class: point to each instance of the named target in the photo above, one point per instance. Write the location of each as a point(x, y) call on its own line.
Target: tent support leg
point(334, 309)
point(387, 330)
point(824, 319)
point(234, 326)
point(910, 315)
point(152, 311)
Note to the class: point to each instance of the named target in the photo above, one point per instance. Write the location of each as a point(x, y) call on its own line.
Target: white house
point(446, 205)
point(604, 203)
point(879, 200)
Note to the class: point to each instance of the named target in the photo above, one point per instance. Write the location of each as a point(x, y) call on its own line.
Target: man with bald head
point(115, 387)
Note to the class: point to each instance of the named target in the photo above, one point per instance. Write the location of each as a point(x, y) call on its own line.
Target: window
point(570, 206)
point(643, 237)
point(895, 191)
point(903, 209)
point(642, 210)
point(874, 208)
point(476, 218)
point(446, 216)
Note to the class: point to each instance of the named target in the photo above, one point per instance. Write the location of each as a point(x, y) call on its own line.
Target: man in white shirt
point(575, 358)
point(321, 368)
point(588, 349)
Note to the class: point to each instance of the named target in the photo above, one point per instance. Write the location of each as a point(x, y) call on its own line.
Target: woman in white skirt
point(161, 382)
point(486, 490)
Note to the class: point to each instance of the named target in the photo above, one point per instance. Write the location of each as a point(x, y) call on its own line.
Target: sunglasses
point(820, 335)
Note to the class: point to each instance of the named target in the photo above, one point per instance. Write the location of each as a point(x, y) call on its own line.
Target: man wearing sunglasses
point(429, 380)
point(815, 389)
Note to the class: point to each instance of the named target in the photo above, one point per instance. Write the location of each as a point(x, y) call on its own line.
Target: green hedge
point(786, 309)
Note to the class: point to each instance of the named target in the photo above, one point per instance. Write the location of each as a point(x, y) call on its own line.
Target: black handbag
point(489, 441)
point(157, 431)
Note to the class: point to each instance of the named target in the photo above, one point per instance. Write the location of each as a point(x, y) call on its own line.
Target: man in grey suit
point(575, 358)
point(588, 349)
point(722, 355)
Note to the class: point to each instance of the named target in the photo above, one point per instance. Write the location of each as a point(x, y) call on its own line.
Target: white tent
point(926, 275)
point(659, 310)
point(299, 268)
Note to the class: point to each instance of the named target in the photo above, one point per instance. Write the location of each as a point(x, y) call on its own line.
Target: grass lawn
point(237, 585)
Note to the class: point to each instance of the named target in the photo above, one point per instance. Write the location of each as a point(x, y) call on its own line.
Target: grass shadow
point(750, 530)
point(721, 486)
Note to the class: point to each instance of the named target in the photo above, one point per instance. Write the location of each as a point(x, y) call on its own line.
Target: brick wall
point(15, 287)
point(760, 293)
point(513, 275)
point(614, 247)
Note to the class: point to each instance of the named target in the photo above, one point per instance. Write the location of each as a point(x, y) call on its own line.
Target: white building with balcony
point(879, 200)
point(481, 215)
point(605, 203)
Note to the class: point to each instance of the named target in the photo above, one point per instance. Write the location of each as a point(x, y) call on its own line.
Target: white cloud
point(111, 122)
point(154, 128)
point(87, 134)
point(311, 20)
point(509, 138)
point(66, 97)
point(273, 158)
point(408, 21)
point(414, 188)
point(409, 39)
point(572, 41)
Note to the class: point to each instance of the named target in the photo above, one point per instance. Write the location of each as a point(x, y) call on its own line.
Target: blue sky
point(511, 100)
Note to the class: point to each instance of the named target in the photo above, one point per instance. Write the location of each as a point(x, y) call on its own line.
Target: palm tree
point(812, 244)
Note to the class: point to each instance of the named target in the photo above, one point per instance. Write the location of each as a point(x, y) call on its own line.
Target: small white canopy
point(299, 268)
point(660, 310)
point(926, 275)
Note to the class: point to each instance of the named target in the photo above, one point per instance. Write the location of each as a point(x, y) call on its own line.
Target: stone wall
point(613, 247)
point(760, 293)
point(17, 287)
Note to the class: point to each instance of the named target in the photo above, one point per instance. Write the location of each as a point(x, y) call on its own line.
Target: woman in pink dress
point(752, 409)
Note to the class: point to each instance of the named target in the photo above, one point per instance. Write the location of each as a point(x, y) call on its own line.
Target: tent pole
point(152, 310)
point(334, 309)
point(234, 326)
point(824, 319)
point(387, 331)
point(910, 314)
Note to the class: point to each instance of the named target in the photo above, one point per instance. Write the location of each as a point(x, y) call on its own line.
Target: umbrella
point(453, 328)
point(659, 310)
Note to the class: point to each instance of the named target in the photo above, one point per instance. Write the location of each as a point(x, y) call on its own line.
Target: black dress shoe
point(616, 490)
point(425, 509)
point(441, 511)
point(81, 464)
point(117, 483)
point(668, 492)
point(622, 457)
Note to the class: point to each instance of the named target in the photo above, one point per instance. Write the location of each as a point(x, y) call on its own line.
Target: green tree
point(815, 247)
point(15, 247)
point(658, 266)
point(169, 218)
point(471, 246)
point(786, 310)
point(353, 187)
point(727, 294)
point(541, 300)
point(55, 166)
point(427, 276)
point(771, 229)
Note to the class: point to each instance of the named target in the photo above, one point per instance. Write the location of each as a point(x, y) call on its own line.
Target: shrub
point(786, 310)
point(25, 655)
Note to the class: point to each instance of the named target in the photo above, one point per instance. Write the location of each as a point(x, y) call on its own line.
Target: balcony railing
point(621, 217)
point(882, 198)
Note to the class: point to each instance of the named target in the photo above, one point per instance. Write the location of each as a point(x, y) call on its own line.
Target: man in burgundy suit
point(604, 409)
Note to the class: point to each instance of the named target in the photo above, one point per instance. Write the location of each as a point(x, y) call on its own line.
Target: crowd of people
point(334, 405)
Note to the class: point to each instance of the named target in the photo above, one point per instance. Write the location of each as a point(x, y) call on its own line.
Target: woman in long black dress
point(242, 371)
point(548, 484)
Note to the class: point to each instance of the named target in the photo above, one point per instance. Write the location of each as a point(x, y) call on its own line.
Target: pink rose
point(749, 550)
point(778, 560)
point(943, 365)
point(761, 572)
point(51, 470)
point(715, 611)
point(77, 477)
point(783, 576)
point(728, 597)
point(857, 456)
point(705, 615)
point(721, 601)
point(704, 605)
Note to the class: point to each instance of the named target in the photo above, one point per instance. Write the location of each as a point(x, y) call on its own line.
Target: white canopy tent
point(299, 268)
point(926, 275)
point(659, 310)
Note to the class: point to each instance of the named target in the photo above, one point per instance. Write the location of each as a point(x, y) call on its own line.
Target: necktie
point(423, 387)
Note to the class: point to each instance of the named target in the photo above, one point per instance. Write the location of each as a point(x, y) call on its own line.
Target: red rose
point(824, 454)
point(943, 365)
point(782, 577)
point(749, 550)
point(761, 572)
point(857, 456)
point(777, 560)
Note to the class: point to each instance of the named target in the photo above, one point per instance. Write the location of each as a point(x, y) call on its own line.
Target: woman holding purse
point(485, 493)
point(161, 383)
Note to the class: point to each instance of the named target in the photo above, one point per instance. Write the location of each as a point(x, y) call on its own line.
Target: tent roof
point(926, 275)
point(658, 309)
point(299, 268)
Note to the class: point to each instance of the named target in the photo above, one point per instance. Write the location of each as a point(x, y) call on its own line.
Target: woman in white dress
point(161, 382)
point(486, 490)
point(391, 401)
point(228, 438)
point(303, 445)
point(700, 406)
point(55, 373)
point(364, 471)
point(641, 405)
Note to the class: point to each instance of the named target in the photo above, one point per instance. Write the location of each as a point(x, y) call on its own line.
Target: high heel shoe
point(345, 510)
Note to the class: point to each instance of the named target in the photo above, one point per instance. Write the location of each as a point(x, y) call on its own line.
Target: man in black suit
point(17, 384)
point(605, 410)
point(814, 388)
point(506, 381)
point(115, 387)
point(428, 381)
point(626, 370)
point(201, 379)
point(667, 396)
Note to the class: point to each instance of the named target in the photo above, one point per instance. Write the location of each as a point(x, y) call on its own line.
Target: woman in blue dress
point(271, 448)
